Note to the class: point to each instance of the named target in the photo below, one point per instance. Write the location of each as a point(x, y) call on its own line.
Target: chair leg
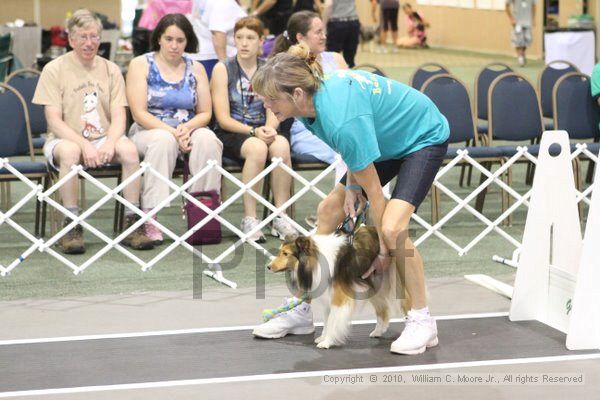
point(3, 195)
point(577, 175)
point(44, 209)
point(38, 211)
point(481, 196)
point(434, 205)
point(462, 175)
point(119, 211)
point(589, 177)
point(469, 175)
point(8, 195)
point(507, 199)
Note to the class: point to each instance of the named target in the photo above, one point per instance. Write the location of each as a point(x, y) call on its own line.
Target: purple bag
point(210, 233)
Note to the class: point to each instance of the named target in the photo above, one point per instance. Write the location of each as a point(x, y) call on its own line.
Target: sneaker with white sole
point(152, 231)
point(418, 334)
point(249, 223)
point(282, 228)
point(297, 321)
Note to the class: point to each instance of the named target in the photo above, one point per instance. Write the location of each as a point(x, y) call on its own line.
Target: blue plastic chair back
point(575, 110)
point(515, 113)
point(25, 85)
point(452, 99)
point(548, 77)
point(14, 140)
point(424, 72)
point(482, 86)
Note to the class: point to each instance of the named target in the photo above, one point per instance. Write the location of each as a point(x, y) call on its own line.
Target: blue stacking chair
point(25, 81)
point(483, 81)
point(577, 112)
point(424, 72)
point(451, 97)
point(15, 141)
point(546, 81)
point(514, 116)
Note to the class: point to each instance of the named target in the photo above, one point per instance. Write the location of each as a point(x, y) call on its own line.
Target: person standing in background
point(273, 13)
point(343, 28)
point(308, 5)
point(388, 21)
point(522, 16)
point(213, 22)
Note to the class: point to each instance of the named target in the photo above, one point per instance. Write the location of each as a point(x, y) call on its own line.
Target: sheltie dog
point(329, 268)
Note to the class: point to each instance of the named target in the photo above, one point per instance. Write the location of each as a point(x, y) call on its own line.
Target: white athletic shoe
point(297, 321)
point(418, 334)
point(282, 228)
point(249, 223)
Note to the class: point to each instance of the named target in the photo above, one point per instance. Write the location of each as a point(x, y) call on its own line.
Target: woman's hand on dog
point(380, 264)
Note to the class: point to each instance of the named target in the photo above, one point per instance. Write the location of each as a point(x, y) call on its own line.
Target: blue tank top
point(244, 105)
point(172, 102)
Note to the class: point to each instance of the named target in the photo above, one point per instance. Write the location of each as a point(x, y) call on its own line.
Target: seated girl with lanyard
point(248, 131)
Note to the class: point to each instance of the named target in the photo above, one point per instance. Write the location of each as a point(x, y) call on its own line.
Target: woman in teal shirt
point(382, 129)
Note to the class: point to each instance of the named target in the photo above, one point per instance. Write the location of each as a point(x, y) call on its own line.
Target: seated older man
point(84, 101)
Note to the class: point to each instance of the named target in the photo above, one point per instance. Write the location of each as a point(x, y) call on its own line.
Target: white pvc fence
point(303, 186)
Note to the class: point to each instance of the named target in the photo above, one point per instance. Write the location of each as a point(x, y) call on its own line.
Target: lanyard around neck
point(245, 104)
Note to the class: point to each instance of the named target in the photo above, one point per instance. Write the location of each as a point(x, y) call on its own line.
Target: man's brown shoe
point(137, 239)
point(72, 241)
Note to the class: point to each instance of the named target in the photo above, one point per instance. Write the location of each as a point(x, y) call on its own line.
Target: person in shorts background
point(522, 18)
point(388, 21)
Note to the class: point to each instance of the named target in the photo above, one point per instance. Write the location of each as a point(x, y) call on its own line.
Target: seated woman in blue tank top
point(169, 97)
point(247, 129)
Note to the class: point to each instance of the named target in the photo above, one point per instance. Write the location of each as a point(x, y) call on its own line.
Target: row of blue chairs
point(515, 116)
point(484, 78)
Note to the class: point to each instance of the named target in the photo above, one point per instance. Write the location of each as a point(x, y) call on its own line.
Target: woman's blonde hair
point(82, 18)
point(297, 68)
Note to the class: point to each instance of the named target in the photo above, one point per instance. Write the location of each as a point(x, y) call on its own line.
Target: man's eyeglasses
point(85, 38)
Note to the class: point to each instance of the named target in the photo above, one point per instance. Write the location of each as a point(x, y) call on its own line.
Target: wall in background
point(52, 12)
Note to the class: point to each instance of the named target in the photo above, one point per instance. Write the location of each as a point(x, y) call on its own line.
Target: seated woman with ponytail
point(306, 27)
point(248, 131)
point(383, 129)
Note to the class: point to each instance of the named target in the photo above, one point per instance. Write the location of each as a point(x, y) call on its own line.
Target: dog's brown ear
point(303, 244)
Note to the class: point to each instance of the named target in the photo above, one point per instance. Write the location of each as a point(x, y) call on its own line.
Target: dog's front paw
point(320, 339)
point(325, 343)
point(378, 331)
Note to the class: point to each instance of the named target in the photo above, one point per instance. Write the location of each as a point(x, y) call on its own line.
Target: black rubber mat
point(238, 353)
